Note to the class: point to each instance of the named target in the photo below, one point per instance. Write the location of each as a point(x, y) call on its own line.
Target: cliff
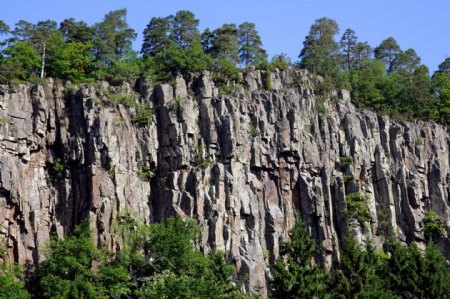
point(243, 164)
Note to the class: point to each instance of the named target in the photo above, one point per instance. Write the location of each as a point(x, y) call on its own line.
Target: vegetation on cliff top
point(385, 78)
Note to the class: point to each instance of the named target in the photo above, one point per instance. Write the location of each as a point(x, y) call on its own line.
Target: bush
point(357, 207)
point(143, 114)
point(345, 162)
point(433, 226)
point(145, 174)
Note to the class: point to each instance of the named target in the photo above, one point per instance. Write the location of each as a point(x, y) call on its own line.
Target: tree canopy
point(385, 78)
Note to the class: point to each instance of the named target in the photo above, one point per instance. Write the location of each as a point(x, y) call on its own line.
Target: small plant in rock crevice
point(356, 204)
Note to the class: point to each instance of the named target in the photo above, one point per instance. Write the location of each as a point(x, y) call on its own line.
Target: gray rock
point(244, 185)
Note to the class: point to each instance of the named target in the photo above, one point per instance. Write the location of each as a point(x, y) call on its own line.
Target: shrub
point(345, 162)
point(145, 174)
point(433, 226)
point(143, 114)
point(58, 168)
point(254, 131)
point(357, 207)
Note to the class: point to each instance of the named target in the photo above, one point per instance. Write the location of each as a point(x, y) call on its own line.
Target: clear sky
point(418, 24)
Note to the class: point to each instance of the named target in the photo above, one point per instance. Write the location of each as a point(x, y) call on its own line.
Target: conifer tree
point(319, 53)
point(250, 44)
point(156, 36)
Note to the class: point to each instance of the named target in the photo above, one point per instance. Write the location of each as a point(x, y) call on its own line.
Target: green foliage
point(281, 62)
point(145, 174)
point(411, 274)
point(202, 158)
point(112, 37)
point(58, 168)
point(319, 48)
point(225, 44)
point(254, 131)
point(73, 62)
point(345, 162)
point(4, 28)
point(441, 86)
point(11, 279)
point(21, 63)
point(363, 271)
point(143, 114)
point(293, 276)
point(250, 44)
point(347, 177)
point(360, 273)
point(388, 51)
point(357, 207)
point(433, 226)
point(67, 272)
point(76, 32)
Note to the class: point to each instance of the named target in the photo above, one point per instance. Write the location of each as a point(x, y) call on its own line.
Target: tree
point(11, 280)
point(359, 273)
point(444, 67)
point(4, 29)
point(113, 37)
point(73, 62)
point(76, 31)
point(225, 43)
point(407, 62)
point(161, 261)
point(23, 31)
point(206, 40)
point(22, 62)
point(184, 31)
point(441, 86)
point(362, 53)
point(293, 276)
point(156, 36)
point(250, 44)
point(433, 226)
point(365, 84)
point(388, 51)
point(67, 272)
point(348, 45)
point(281, 62)
point(319, 53)
point(39, 35)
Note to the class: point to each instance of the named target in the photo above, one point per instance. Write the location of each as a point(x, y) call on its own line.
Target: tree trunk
point(43, 62)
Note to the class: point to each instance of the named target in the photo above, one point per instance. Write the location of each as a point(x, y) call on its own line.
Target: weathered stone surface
point(243, 164)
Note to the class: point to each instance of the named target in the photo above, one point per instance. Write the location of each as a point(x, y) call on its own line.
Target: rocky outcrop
point(243, 164)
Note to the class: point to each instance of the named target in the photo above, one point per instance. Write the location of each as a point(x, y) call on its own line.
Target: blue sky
point(421, 25)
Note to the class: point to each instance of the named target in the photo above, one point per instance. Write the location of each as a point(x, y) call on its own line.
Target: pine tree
point(388, 51)
point(76, 31)
point(184, 30)
point(250, 44)
point(348, 45)
point(293, 275)
point(156, 36)
point(225, 43)
point(113, 37)
point(319, 53)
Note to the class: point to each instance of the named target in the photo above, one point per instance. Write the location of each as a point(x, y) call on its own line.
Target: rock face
point(243, 164)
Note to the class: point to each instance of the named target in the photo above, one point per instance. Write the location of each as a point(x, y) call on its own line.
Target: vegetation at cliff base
point(394, 271)
point(160, 260)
